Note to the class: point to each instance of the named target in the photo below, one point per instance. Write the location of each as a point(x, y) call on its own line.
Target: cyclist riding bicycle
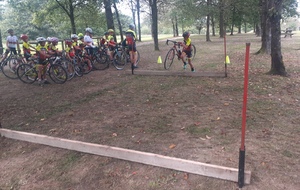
point(130, 42)
point(11, 44)
point(75, 44)
point(52, 49)
point(187, 50)
point(88, 41)
point(111, 43)
point(26, 46)
point(42, 53)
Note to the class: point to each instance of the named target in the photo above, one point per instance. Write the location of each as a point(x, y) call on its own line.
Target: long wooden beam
point(176, 73)
point(189, 166)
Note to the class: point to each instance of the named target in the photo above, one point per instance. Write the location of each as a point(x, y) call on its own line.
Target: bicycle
point(10, 64)
point(175, 50)
point(28, 73)
point(122, 57)
point(99, 59)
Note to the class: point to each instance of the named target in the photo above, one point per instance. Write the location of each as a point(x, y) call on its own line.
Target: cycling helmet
point(10, 30)
point(106, 33)
point(54, 40)
point(68, 42)
point(110, 30)
point(89, 30)
point(131, 26)
point(80, 36)
point(41, 39)
point(24, 36)
point(49, 39)
point(186, 34)
point(74, 36)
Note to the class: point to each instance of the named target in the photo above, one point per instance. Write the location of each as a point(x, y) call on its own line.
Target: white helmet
point(89, 30)
point(49, 39)
point(74, 36)
point(41, 39)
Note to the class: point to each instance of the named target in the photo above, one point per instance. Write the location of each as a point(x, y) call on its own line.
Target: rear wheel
point(27, 73)
point(58, 74)
point(169, 58)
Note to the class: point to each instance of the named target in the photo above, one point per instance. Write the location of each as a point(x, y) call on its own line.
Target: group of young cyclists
point(79, 44)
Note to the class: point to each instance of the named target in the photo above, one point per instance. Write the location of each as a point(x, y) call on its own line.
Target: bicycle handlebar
point(174, 42)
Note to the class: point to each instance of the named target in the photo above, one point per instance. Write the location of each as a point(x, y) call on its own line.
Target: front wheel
point(9, 68)
point(100, 61)
point(193, 51)
point(27, 73)
point(169, 59)
point(120, 60)
point(58, 74)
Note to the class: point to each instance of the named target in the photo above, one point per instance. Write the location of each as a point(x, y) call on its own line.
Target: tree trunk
point(257, 30)
point(108, 14)
point(173, 25)
point(1, 46)
point(72, 19)
point(133, 15)
point(265, 28)
point(119, 23)
point(212, 26)
point(232, 20)
point(207, 22)
point(153, 4)
point(277, 65)
point(176, 25)
point(139, 19)
point(221, 21)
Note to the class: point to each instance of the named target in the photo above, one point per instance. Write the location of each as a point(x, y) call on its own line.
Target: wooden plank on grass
point(176, 73)
point(189, 166)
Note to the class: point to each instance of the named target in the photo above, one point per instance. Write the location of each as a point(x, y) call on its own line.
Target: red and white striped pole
point(241, 176)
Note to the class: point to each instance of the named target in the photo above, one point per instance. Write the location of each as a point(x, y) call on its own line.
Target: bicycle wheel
point(120, 60)
point(193, 51)
point(138, 57)
point(100, 61)
point(9, 67)
point(58, 74)
point(27, 73)
point(78, 70)
point(69, 67)
point(169, 58)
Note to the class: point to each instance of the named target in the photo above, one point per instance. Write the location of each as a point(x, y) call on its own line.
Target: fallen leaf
point(218, 118)
point(42, 119)
point(172, 146)
point(186, 176)
point(115, 134)
point(208, 137)
point(203, 139)
point(226, 104)
point(197, 123)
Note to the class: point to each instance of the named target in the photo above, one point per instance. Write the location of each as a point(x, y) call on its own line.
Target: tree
point(153, 5)
point(109, 14)
point(277, 65)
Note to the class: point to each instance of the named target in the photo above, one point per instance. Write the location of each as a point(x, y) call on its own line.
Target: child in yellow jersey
point(26, 46)
point(52, 49)
point(111, 43)
point(42, 53)
point(187, 50)
point(75, 44)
